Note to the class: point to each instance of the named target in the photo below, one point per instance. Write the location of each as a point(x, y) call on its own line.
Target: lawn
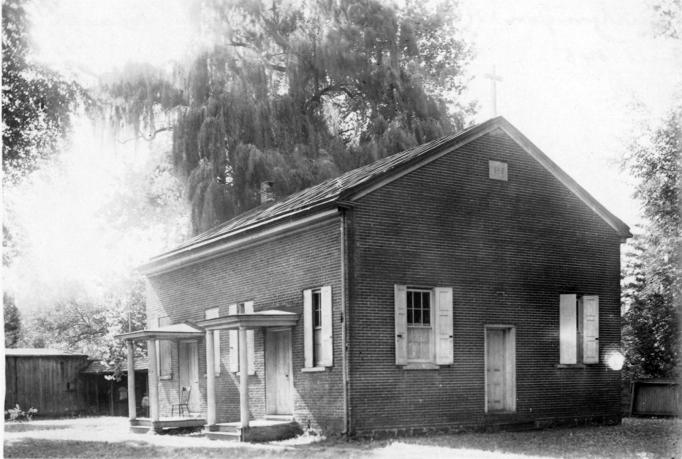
point(106, 437)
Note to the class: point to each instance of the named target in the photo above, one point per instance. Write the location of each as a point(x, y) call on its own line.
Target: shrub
point(16, 414)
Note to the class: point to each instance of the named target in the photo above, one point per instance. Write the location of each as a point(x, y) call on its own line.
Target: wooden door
point(278, 372)
point(500, 371)
point(188, 360)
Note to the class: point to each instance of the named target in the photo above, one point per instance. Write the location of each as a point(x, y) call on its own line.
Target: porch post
point(243, 378)
point(210, 379)
point(132, 414)
point(153, 381)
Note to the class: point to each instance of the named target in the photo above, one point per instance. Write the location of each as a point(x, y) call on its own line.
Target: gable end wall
point(508, 249)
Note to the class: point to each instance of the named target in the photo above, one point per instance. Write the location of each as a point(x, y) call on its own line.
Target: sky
point(579, 79)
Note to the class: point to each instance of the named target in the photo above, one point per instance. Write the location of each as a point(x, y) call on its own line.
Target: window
point(163, 352)
point(423, 327)
point(419, 329)
point(317, 325)
point(214, 313)
point(241, 308)
point(578, 329)
point(497, 170)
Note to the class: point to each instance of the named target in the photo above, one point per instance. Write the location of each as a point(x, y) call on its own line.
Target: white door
point(189, 372)
point(277, 372)
point(500, 369)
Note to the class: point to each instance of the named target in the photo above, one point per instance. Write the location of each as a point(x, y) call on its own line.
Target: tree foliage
point(297, 92)
point(89, 326)
point(12, 321)
point(37, 103)
point(653, 270)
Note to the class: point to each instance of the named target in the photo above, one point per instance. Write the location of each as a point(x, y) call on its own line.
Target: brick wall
point(273, 275)
point(508, 249)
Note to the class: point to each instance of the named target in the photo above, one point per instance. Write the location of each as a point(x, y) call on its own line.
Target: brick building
point(466, 282)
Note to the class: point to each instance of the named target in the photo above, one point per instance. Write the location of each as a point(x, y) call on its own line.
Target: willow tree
point(296, 92)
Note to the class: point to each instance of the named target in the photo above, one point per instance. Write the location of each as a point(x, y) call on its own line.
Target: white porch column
point(210, 379)
point(132, 414)
point(243, 378)
point(153, 381)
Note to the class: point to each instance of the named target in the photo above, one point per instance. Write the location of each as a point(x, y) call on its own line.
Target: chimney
point(266, 192)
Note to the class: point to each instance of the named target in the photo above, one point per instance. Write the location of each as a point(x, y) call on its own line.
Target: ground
point(108, 437)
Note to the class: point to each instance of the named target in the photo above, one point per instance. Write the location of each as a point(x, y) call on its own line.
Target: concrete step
point(279, 417)
point(140, 429)
point(225, 436)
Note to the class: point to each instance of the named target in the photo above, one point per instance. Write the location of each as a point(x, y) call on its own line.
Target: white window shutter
point(308, 328)
point(327, 342)
point(444, 339)
point(233, 338)
point(250, 344)
point(568, 346)
point(590, 329)
point(400, 292)
point(214, 313)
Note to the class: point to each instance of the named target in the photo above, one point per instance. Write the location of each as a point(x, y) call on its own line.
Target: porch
point(144, 425)
point(279, 425)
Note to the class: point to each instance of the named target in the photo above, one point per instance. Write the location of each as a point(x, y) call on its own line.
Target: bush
point(16, 414)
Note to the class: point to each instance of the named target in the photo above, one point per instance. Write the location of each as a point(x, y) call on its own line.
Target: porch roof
point(176, 331)
point(269, 318)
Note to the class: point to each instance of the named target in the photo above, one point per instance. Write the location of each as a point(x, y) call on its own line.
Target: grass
point(109, 438)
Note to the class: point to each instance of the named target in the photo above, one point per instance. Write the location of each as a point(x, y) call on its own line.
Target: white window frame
point(214, 313)
point(325, 360)
point(442, 323)
point(578, 330)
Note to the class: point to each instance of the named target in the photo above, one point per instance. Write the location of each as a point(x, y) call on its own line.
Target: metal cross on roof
point(494, 78)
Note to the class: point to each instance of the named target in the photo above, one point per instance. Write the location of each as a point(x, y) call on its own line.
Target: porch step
point(229, 427)
point(225, 436)
point(279, 417)
point(140, 429)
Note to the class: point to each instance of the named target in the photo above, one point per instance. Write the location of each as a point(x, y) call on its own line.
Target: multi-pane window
point(419, 329)
point(317, 327)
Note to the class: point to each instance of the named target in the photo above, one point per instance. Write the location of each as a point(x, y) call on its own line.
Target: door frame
point(198, 379)
point(268, 332)
point(510, 361)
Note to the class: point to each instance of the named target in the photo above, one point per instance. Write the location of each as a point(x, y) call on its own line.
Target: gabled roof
point(357, 182)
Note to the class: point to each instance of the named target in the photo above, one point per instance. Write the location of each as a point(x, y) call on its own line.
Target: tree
point(12, 321)
point(297, 92)
point(37, 102)
point(653, 271)
point(89, 326)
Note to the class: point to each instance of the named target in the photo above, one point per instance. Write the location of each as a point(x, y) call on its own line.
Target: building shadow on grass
point(26, 427)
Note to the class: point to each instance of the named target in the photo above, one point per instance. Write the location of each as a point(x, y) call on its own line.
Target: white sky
point(572, 71)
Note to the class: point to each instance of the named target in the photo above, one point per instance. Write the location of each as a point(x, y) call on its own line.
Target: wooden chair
point(184, 401)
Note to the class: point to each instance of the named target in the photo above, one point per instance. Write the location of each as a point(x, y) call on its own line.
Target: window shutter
point(250, 344)
point(400, 292)
point(233, 338)
point(444, 339)
point(164, 352)
point(590, 329)
point(308, 328)
point(568, 347)
point(327, 341)
point(214, 313)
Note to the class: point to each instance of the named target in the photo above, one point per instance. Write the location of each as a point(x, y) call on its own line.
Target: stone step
point(225, 436)
point(233, 427)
